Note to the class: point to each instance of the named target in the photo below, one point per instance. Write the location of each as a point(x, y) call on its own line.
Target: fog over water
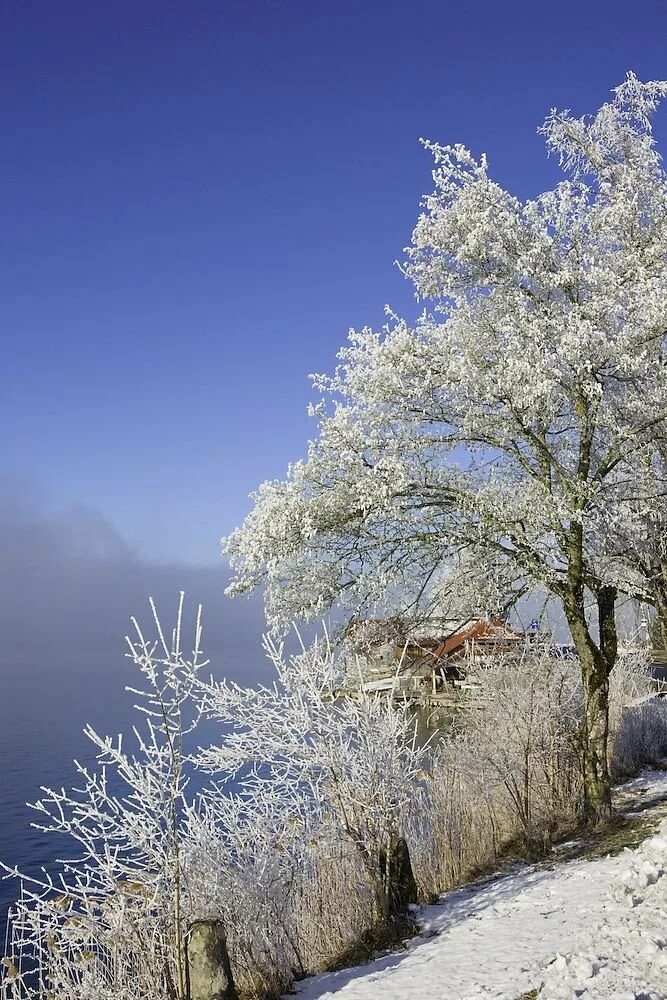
point(68, 587)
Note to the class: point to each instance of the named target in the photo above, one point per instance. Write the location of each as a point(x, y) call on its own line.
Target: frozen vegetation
point(511, 444)
point(324, 823)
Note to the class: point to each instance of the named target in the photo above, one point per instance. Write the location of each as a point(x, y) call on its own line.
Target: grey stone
point(209, 972)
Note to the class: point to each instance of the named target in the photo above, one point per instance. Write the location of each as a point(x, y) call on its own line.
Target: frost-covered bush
point(641, 737)
point(356, 760)
point(630, 682)
point(637, 719)
point(510, 770)
point(245, 858)
point(522, 726)
point(111, 925)
point(463, 822)
point(507, 772)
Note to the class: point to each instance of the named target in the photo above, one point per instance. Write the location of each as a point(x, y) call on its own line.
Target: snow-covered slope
point(593, 929)
point(622, 954)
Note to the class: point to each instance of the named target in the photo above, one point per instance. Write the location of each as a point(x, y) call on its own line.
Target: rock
point(209, 972)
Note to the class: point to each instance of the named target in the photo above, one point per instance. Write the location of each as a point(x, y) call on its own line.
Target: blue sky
point(200, 198)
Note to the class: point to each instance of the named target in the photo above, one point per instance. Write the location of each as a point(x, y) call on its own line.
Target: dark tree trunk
point(659, 626)
point(659, 630)
point(400, 888)
point(597, 784)
point(596, 663)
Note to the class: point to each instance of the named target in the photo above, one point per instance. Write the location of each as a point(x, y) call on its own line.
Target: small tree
point(355, 761)
point(508, 425)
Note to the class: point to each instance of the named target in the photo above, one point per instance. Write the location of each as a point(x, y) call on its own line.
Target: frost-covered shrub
point(630, 681)
point(246, 855)
point(508, 771)
point(640, 737)
point(355, 760)
point(522, 724)
point(511, 768)
point(463, 822)
point(112, 924)
point(637, 718)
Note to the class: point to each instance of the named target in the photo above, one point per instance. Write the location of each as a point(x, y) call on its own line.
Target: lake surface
point(64, 610)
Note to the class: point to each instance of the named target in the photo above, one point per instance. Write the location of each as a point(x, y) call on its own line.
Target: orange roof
point(493, 631)
point(484, 631)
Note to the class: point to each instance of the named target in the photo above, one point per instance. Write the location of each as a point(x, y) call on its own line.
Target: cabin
point(426, 660)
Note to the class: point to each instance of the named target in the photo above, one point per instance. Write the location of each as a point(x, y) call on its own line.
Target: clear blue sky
point(199, 198)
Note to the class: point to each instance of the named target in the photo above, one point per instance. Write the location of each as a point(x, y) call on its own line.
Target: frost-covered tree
point(353, 764)
point(507, 424)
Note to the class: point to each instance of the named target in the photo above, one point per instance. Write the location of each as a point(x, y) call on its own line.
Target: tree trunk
point(400, 888)
point(659, 624)
point(597, 784)
point(596, 663)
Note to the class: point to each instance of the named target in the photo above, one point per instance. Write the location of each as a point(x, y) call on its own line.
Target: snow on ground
point(595, 929)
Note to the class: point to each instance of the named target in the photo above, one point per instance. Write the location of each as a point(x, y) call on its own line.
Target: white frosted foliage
point(523, 408)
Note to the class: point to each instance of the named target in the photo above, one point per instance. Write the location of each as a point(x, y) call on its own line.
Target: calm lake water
point(64, 611)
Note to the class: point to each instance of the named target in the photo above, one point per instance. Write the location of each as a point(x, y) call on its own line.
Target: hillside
point(579, 925)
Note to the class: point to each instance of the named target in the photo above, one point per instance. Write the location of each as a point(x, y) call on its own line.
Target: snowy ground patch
point(623, 956)
point(590, 928)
